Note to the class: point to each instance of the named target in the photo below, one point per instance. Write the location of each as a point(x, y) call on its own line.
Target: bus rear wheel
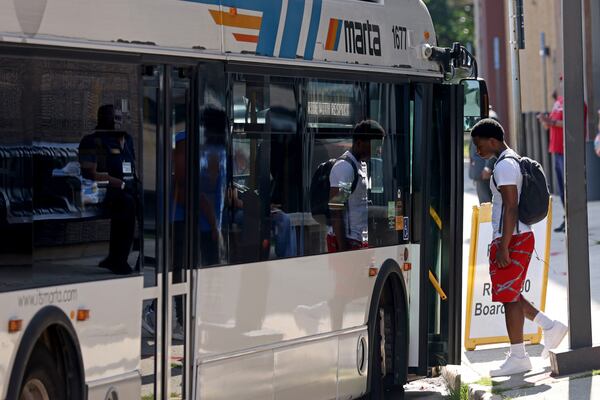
point(382, 381)
point(41, 380)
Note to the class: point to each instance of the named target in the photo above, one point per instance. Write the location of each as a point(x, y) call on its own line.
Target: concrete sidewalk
point(537, 384)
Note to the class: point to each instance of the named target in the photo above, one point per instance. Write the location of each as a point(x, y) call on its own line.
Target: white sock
point(518, 350)
point(543, 321)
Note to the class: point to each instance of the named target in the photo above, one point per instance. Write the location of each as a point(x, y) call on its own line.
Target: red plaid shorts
point(507, 283)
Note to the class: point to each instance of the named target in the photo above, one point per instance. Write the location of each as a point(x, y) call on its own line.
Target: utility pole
point(581, 356)
point(517, 42)
point(497, 67)
point(544, 56)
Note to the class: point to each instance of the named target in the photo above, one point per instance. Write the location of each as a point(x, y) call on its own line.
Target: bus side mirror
point(476, 103)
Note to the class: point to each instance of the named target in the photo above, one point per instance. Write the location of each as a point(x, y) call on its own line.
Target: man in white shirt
point(348, 196)
point(511, 249)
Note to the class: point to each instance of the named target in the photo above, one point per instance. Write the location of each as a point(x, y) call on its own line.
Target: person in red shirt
point(554, 122)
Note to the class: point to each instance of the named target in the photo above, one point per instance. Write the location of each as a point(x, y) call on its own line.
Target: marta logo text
point(359, 37)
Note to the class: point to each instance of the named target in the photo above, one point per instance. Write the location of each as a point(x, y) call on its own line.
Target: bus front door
point(167, 122)
point(441, 151)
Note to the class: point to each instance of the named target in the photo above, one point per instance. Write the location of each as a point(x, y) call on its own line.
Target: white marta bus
point(229, 106)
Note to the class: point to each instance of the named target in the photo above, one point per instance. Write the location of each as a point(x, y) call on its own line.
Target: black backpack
point(319, 189)
point(534, 198)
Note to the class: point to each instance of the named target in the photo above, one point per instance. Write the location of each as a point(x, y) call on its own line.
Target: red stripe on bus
point(241, 37)
point(332, 34)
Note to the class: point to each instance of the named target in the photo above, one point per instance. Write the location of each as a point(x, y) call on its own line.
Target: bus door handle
point(437, 286)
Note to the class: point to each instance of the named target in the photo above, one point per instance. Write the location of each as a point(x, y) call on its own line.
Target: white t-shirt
point(356, 213)
point(506, 172)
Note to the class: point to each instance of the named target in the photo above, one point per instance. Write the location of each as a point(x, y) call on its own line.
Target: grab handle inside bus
point(437, 286)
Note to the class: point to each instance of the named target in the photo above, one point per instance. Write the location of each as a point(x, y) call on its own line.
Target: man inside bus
point(213, 174)
point(511, 250)
point(348, 197)
point(107, 155)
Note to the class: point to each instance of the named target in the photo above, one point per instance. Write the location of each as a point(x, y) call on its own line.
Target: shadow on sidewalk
point(576, 387)
point(499, 354)
point(529, 391)
point(537, 383)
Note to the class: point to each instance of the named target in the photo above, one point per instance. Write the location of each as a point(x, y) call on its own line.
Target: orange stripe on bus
point(332, 33)
point(240, 37)
point(236, 20)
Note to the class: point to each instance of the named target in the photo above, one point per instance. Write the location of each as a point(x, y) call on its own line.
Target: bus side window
point(389, 167)
point(16, 174)
point(262, 202)
point(81, 192)
point(334, 111)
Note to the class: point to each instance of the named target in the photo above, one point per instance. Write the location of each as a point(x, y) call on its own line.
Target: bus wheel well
point(51, 334)
point(390, 293)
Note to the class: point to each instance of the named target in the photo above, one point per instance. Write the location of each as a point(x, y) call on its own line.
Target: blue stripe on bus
point(293, 25)
point(315, 19)
point(338, 35)
point(269, 27)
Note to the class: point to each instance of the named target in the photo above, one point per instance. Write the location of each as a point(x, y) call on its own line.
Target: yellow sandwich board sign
point(485, 319)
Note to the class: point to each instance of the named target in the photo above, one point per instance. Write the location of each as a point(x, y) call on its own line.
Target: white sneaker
point(512, 365)
point(553, 337)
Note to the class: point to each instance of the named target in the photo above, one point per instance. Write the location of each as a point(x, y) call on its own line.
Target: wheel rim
point(382, 342)
point(34, 389)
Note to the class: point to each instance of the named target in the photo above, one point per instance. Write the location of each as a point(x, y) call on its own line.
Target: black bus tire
point(388, 325)
point(383, 387)
point(42, 379)
point(377, 388)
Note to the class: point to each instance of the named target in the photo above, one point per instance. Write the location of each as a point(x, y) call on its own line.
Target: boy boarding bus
point(171, 252)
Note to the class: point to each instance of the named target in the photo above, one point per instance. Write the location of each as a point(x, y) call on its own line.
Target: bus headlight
point(426, 51)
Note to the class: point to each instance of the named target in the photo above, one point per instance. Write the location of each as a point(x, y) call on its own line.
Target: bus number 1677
point(400, 35)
